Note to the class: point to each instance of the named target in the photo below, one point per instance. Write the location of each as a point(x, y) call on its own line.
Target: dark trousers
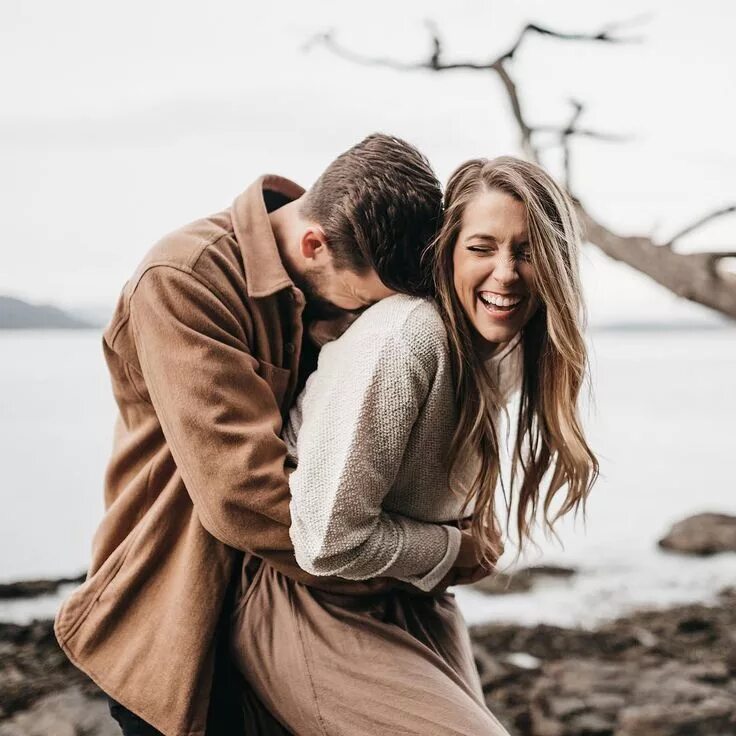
point(225, 716)
point(226, 713)
point(234, 708)
point(249, 717)
point(129, 722)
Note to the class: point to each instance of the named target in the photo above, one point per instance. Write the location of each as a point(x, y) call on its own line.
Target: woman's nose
point(505, 271)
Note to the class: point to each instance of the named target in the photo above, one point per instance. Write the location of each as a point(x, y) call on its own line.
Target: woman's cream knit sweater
point(371, 433)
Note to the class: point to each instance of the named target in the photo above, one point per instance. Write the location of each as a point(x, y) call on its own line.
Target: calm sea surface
point(663, 422)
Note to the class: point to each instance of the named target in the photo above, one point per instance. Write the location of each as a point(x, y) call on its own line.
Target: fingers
point(323, 331)
point(468, 575)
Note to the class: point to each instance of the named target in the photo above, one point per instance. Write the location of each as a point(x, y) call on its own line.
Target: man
point(204, 352)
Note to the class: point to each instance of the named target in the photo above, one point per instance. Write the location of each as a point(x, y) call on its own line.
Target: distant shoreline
point(16, 314)
point(52, 328)
point(602, 329)
point(666, 327)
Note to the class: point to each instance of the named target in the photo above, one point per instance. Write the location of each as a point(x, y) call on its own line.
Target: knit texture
point(371, 434)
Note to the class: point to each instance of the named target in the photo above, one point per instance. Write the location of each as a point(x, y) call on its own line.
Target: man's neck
point(285, 223)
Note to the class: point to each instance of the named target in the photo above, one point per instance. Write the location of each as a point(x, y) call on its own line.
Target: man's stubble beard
point(317, 307)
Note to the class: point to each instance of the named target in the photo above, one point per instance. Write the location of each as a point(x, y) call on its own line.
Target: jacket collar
point(264, 270)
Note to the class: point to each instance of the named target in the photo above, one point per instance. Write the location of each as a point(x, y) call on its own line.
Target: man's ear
point(313, 243)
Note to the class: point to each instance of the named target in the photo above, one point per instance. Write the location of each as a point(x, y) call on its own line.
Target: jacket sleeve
point(219, 416)
point(357, 415)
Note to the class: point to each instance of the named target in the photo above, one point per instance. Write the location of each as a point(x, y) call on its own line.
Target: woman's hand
point(468, 555)
point(468, 566)
point(469, 575)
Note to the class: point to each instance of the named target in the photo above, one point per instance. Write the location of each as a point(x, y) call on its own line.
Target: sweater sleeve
point(357, 415)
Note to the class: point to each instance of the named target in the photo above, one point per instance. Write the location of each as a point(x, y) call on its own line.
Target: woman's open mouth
point(500, 306)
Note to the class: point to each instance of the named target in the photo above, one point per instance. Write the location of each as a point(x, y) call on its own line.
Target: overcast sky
point(121, 122)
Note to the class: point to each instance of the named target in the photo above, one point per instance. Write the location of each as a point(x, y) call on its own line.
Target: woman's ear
point(313, 243)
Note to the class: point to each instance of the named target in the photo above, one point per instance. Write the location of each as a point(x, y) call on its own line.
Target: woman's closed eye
point(521, 254)
point(482, 249)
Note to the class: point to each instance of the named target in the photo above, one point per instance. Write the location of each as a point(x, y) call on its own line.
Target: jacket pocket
point(277, 378)
point(75, 609)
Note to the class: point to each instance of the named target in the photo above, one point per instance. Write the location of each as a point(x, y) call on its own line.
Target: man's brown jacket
point(203, 352)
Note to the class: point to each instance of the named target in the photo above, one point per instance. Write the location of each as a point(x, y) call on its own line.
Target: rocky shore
point(668, 672)
point(658, 673)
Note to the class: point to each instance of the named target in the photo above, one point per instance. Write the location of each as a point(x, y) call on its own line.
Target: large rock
point(703, 534)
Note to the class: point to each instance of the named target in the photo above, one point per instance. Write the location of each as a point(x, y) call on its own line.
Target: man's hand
point(326, 330)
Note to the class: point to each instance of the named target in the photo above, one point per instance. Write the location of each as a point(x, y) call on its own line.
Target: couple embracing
point(288, 500)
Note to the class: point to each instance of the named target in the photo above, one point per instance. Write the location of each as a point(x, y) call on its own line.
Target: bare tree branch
point(565, 136)
point(328, 41)
point(605, 35)
point(527, 132)
point(722, 212)
point(435, 63)
point(693, 276)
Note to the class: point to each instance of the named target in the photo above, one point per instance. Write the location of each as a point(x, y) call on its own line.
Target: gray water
point(663, 423)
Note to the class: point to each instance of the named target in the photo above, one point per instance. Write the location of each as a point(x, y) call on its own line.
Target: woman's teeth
point(504, 303)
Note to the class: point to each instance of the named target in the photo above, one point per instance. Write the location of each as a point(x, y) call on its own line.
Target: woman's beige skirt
point(336, 665)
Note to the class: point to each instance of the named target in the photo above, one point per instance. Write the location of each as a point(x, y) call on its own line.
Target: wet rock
point(705, 718)
point(550, 571)
point(653, 673)
point(492, 670)
point(501, 583)
point(702, 534)
point(34, 588)
point(71, 712)
point(33, 666)
point(566, 707)
point(630, 699)
point(522, 580)
point(522, 661)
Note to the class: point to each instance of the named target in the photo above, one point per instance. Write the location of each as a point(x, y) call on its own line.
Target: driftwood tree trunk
point(693, 276)
point(697, 276)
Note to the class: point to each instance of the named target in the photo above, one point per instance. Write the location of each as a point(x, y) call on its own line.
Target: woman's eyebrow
point(482, 236)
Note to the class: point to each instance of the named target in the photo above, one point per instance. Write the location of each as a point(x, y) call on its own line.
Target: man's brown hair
point(379, 205)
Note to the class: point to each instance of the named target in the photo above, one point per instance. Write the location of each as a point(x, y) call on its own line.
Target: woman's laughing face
point(492, 269)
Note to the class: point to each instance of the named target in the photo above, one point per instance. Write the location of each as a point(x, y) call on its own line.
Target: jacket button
point(289, 347)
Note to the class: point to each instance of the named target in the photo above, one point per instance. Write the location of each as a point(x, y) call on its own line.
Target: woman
point(397, 441)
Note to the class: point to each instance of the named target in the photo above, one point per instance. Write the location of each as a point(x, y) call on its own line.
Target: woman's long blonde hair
point(549, 433)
